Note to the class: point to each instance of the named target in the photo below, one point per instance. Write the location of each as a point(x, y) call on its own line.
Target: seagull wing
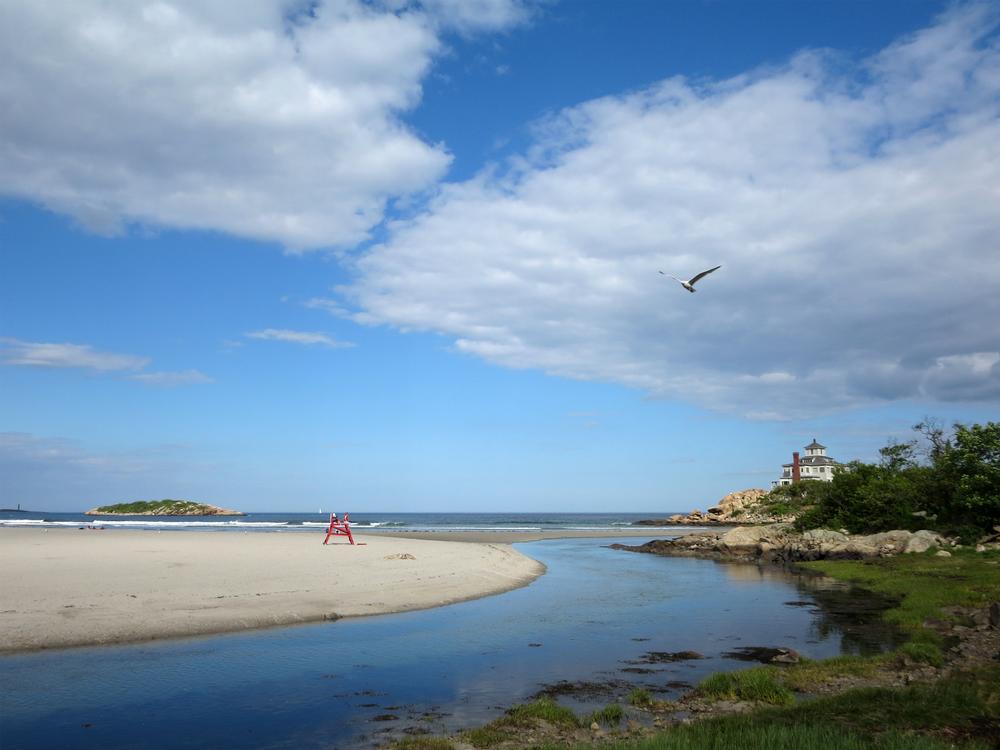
point(672, 277)
point(703, 274)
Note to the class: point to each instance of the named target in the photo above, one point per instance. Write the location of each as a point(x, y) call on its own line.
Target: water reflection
point(355, 682)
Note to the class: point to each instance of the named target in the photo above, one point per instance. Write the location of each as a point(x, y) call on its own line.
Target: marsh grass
point(924, 583)
point(749, 734)
point(967, 702)
point(925, 653)
point(610, 716)
point(805, 675)
point(760, 684)
point(640, 697)
point(505, 728)
point(962, 711)
point(422, 743)
point(546, 709)
point(488, 736)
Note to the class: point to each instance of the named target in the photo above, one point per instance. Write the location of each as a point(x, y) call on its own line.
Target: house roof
point(816, 461)
point(813, 445)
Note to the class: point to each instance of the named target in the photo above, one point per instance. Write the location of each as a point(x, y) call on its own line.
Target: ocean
point(315, 522)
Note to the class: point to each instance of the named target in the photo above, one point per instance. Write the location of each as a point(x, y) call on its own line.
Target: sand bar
point(72, 587)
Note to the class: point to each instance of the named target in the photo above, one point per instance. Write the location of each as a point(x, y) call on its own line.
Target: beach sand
point(75, 587)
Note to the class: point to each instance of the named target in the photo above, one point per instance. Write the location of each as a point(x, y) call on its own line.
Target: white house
point(814, 465)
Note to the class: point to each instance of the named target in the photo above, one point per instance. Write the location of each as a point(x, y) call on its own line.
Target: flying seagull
point(689, 284)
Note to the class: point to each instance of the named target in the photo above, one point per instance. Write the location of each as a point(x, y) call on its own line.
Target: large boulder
point(747, 537)
point(824, 536)
point(923, 540)
point(736, 504)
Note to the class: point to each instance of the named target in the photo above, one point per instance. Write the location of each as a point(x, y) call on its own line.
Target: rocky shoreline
point(743, 507)
point(780, 543)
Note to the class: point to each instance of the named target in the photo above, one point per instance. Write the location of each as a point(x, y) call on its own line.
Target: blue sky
point(403, 256)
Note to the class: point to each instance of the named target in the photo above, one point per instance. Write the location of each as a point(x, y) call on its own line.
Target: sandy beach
point(73, 587)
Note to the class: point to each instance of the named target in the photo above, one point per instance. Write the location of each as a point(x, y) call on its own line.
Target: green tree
point(956, 487)
point(972, 465)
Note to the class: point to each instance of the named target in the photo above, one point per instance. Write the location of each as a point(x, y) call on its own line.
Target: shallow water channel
point(594, 617)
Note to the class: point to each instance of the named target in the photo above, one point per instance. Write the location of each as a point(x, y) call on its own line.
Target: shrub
point(956, 490)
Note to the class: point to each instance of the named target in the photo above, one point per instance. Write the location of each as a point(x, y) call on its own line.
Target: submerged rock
point(764, 655)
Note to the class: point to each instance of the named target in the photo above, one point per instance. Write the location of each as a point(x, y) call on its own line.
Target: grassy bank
point(924, 583)
point(959, 708)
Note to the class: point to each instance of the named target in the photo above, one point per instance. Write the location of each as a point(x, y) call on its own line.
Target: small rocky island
point(162, 508)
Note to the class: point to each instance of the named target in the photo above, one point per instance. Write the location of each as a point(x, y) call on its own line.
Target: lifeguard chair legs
point(339, 528)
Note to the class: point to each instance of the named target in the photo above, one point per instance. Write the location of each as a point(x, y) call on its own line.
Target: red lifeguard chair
point(339, 528)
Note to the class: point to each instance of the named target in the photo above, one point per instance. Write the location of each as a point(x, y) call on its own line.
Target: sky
point(404, 256)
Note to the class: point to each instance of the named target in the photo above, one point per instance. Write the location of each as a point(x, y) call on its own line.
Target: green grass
point(422, 743)
point(610, 716)
point(505, 728)
point(487, 736)
point(924, 583)
point(748, 734)
point(760, 684)
point(925, 653)
point(805, 675)
point(546, 709)
point(966, 703)
point(640, 697)
point(962, 711)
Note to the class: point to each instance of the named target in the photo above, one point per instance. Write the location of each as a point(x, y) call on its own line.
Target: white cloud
point(31, 451)
point(240, 118)
point(854, 212)
point(476, 15)
point(17, 353)
point(308, 338)
point(31, 354)
point(41, 472)
point(170, 379)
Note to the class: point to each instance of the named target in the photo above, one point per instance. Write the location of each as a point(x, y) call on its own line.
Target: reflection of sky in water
point(317, 685)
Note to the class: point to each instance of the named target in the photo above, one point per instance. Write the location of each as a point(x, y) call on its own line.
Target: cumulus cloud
point(308, 338)
point(17, 353)
point(268, 119)
point(853, 210)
